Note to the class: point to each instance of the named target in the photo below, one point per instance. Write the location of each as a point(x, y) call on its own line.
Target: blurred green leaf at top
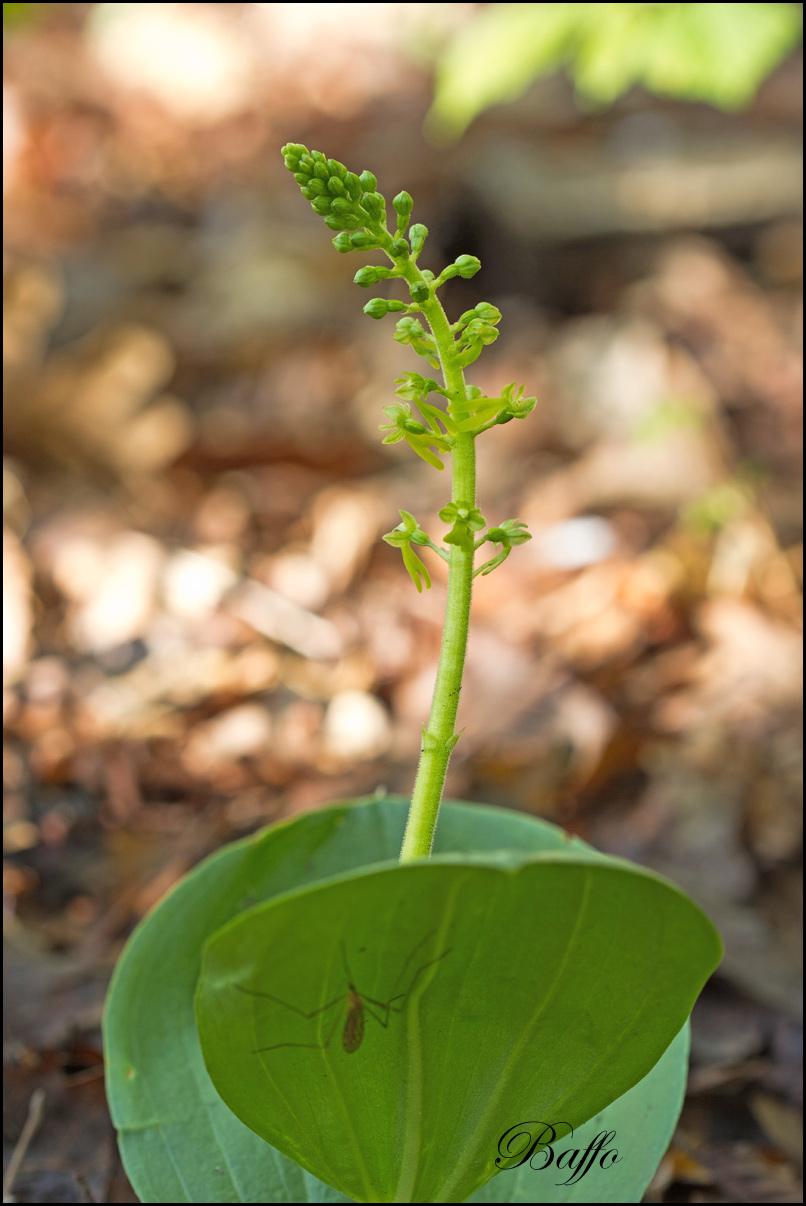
point(718, 53)
point(15, 15)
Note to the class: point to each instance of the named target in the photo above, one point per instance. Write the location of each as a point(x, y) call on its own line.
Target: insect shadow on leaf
point(357, 1003)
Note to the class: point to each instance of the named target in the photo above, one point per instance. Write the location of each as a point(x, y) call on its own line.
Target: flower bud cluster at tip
point(349, 204)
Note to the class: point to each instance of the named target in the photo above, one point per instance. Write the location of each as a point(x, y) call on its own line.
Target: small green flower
point(465, 520)
point(515, 405)
point(402, 537)
point(405, 427)
point(408, 530)
point(410, 331)
point(403, 423)
point(414, 387)
point(511, 532)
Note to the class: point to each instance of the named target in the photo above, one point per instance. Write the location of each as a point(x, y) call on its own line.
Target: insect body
point(353, 1033)
point(358, 1004)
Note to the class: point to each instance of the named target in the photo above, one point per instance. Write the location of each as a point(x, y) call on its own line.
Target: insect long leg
point(401, 996)
point(347, 972)
point(253, 992)
point(309, 1046)
point(410, 957)
point(357, 1003)
point(374, 1015)
point(388, 1004)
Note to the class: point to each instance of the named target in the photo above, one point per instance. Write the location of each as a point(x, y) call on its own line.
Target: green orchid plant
point(351, 205)
point(358, 1005)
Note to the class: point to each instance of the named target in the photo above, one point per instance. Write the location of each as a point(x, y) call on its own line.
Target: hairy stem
point(439, 737)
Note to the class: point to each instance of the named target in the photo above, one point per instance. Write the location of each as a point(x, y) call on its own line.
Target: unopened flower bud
point(346, 208)
point(292, 153)
point(414, 427)
point(371, 275)
point(361, 240)
point(488, 312)
point(377, 308)
point(468, 266)
point(373, 204)
point(419, 292)
point(403, 204)
point(368, 182)
point(417, 235)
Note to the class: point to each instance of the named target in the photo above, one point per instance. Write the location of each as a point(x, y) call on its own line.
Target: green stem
point(439, 737)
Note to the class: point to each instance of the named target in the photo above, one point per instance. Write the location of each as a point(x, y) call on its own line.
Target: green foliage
point(180, 1143)
point(719, 53)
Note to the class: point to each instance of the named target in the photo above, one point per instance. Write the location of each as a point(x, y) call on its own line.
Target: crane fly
point(358, 1004)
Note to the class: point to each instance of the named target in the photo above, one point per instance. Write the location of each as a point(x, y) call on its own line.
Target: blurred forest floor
point(203, 631)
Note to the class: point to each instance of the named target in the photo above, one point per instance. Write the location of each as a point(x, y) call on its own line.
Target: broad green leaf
point(179, 1142)
point(386, 1028)
point(641, 1121)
